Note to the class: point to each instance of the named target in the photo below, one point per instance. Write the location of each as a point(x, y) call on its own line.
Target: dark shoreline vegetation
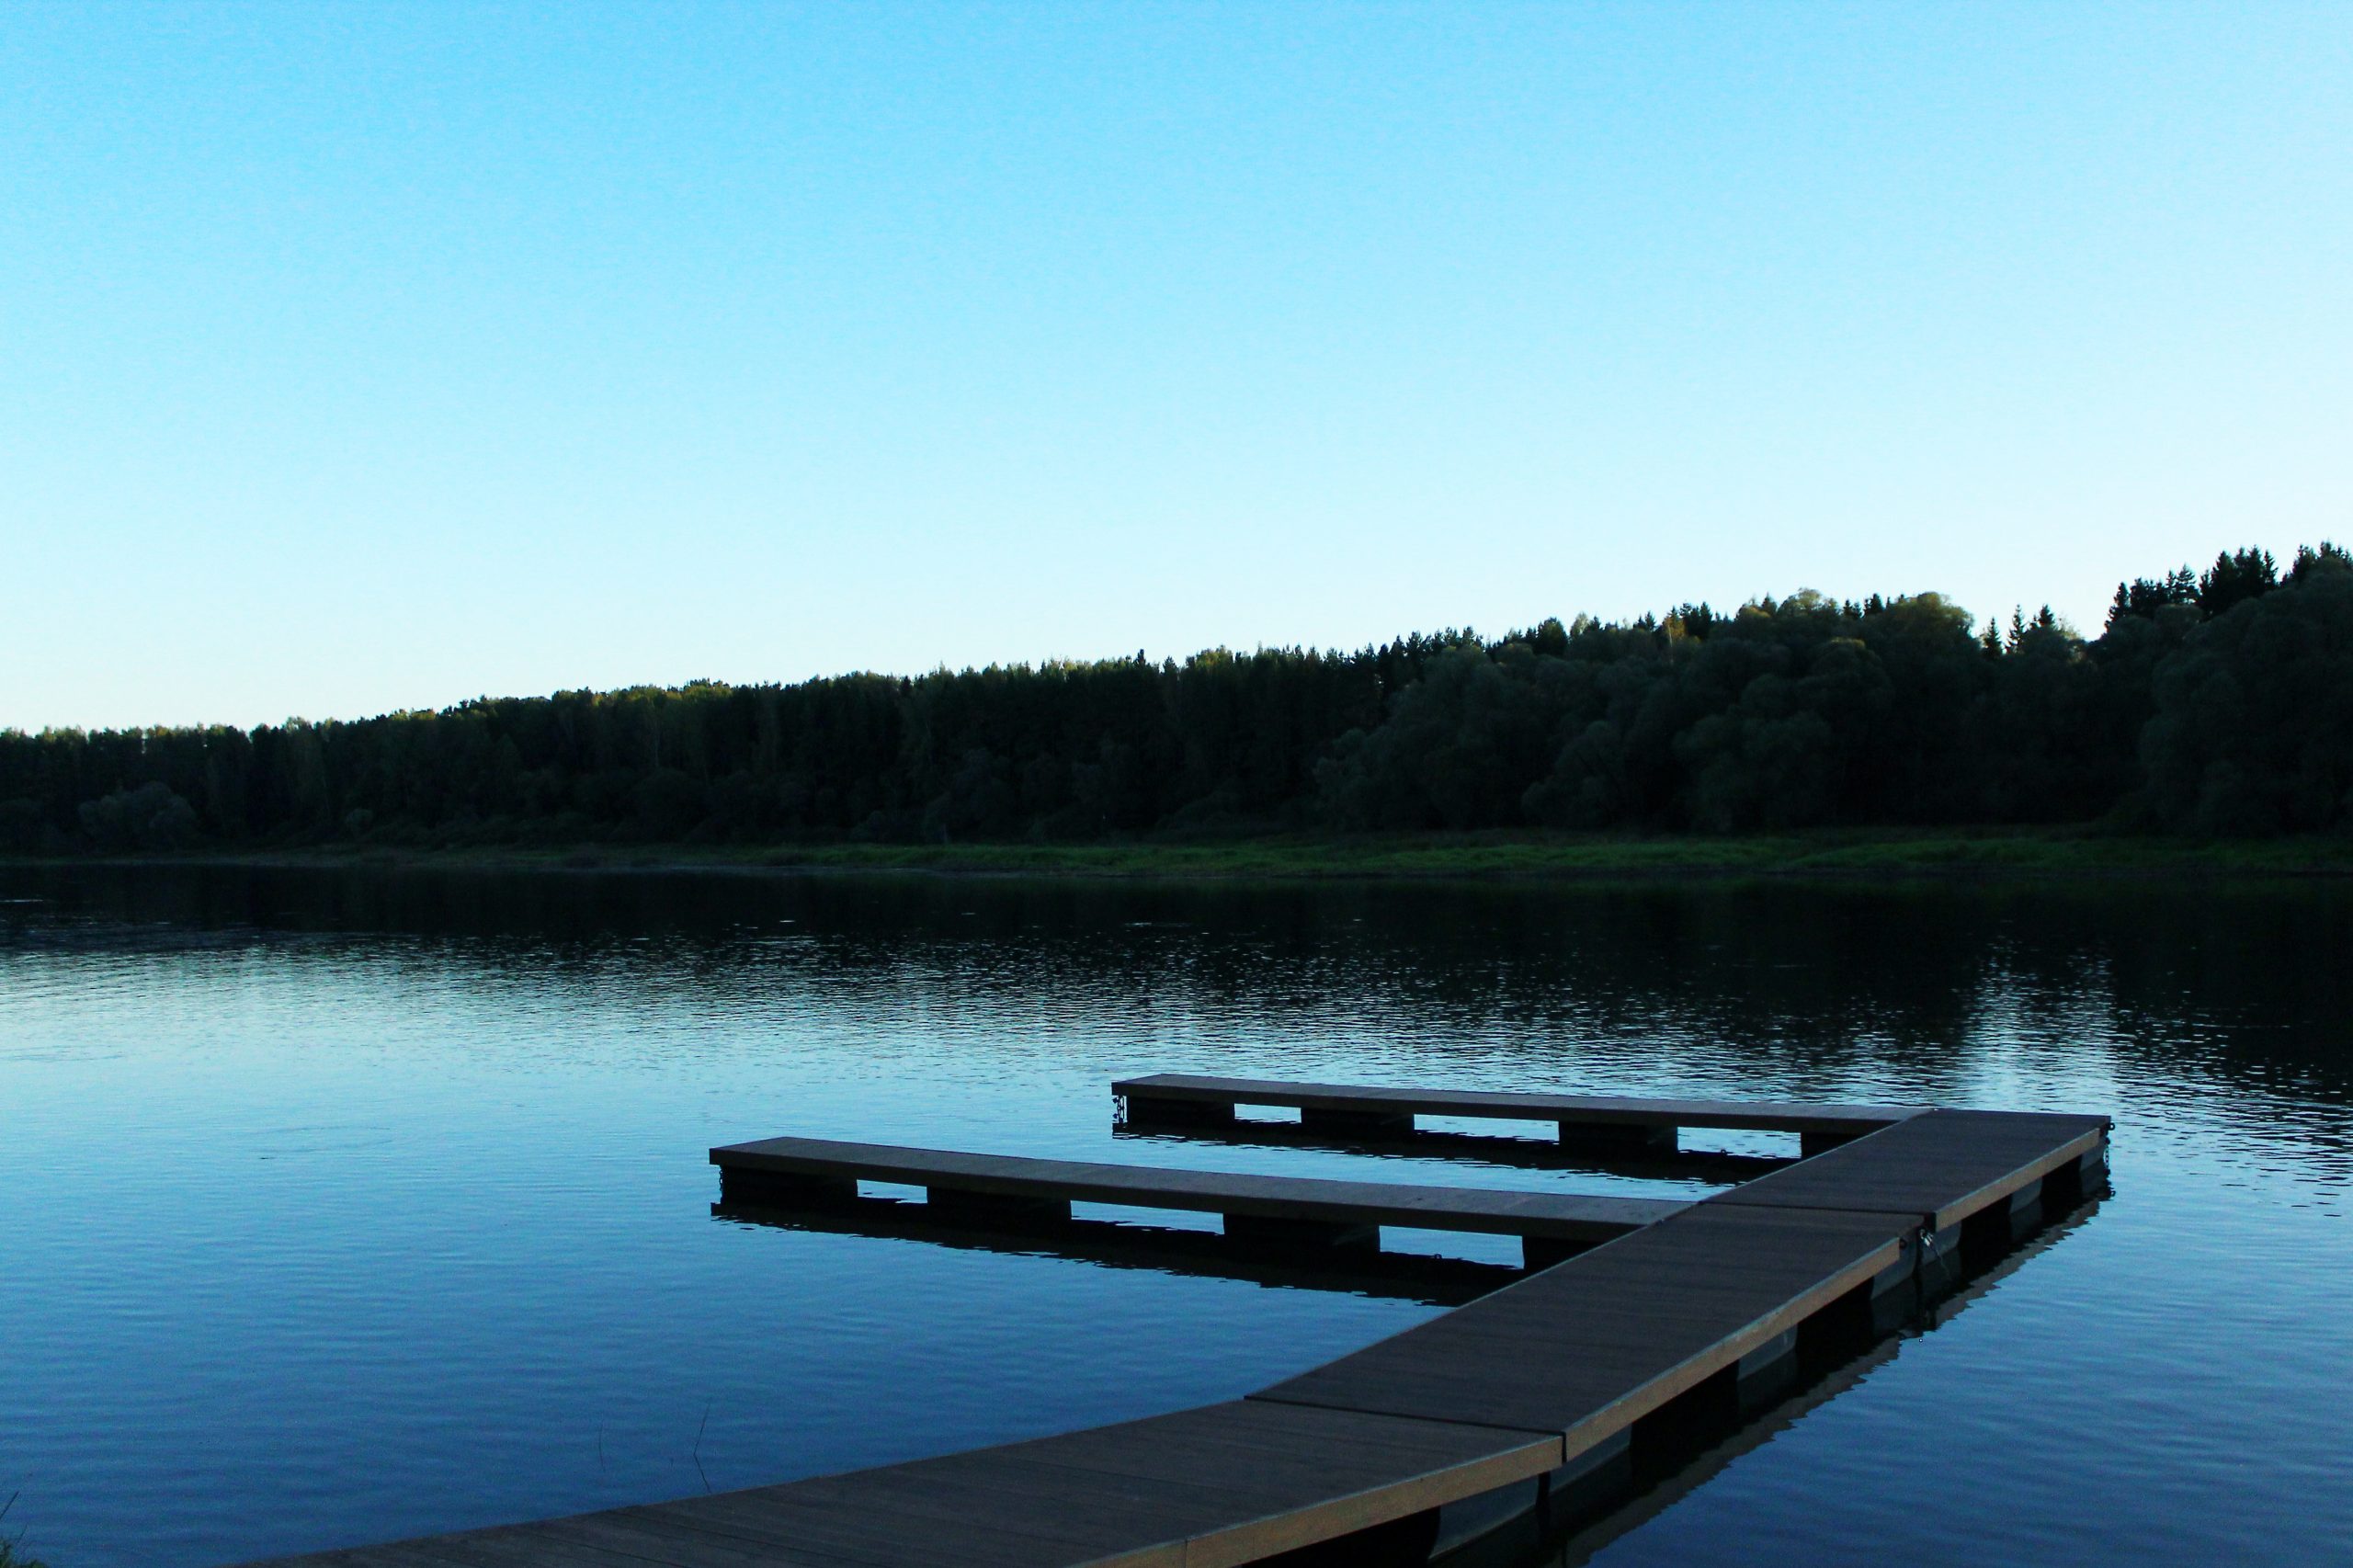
point(1829, 855)
point(12, 1547)
point(2212, 706)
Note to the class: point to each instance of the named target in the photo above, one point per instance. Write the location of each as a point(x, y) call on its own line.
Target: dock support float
point(1265, 1229)
point(1157, 1110)
point(1356, 1123)
point(1543, 1252)
point(1617, 1137)
point(790, 1189)
point(995, 1208)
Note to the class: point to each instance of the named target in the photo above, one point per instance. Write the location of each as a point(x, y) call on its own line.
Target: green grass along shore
point(1845, 854)
point(12, 1553)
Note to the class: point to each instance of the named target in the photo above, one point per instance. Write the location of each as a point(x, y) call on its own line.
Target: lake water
point(340, 1207)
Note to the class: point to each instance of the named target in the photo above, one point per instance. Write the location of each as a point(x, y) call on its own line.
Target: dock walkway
point(1945, 1167)
point(1178, 1099)
point(1302, 1208)
point(1547, 1385)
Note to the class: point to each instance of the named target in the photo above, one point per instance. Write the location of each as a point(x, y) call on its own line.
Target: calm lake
point(340, 1207)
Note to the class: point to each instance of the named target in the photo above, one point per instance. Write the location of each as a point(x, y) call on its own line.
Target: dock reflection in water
point(1428, 1278)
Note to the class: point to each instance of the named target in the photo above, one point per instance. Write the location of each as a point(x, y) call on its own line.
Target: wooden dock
point(1180, 1099)
point(1545, 1393)
point(1435, 1280)
point(1291, 1210)
point(1945, 1166)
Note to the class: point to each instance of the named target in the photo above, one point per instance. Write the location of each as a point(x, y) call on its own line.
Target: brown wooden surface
point(1586, 1348)
point(1766, 1116)
point(1943, 1167)
point(1497, 1392)
point(1223, 1485)
point(1555, 1215)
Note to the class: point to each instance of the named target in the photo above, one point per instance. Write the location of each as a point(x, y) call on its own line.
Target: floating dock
point(1182, 1099)
point(1307, 1210)
point(1541, 1396)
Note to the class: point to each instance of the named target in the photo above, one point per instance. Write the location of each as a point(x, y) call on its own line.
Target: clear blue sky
point(355, 358)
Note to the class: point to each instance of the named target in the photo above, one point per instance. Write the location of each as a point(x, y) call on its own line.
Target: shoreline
point(1834, 856)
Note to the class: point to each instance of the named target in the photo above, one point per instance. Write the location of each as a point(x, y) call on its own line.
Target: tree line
point(2216, 702)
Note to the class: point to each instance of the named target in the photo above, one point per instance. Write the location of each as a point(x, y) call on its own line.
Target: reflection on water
point(341, 1207)
point(1432, 1278)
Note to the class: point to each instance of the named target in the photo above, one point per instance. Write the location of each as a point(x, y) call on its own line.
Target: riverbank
point(2037, 853)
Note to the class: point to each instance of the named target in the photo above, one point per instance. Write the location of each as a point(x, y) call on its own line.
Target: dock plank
point(1588, 1346)
point(547, 1544)
point(1222, 1484)
point(1265, 1481)
point(675, 1544)
point(1943, 1165)
point(1766, 1116)
point(1572, 1217)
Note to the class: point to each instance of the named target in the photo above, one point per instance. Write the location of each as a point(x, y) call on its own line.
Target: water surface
point(340, 1207)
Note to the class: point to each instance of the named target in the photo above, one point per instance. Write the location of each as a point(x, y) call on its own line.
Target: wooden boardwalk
point(1224, 1484)
point(1945, 1166)
point(1301, 1208)
point(1180, 1099)
point(1548, 1385)
point(1674, 1305)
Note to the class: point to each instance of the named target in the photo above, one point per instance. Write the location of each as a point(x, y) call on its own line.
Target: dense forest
point(2218, 702)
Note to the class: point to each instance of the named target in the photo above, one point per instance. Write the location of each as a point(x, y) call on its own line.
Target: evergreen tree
point(2210, 701)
